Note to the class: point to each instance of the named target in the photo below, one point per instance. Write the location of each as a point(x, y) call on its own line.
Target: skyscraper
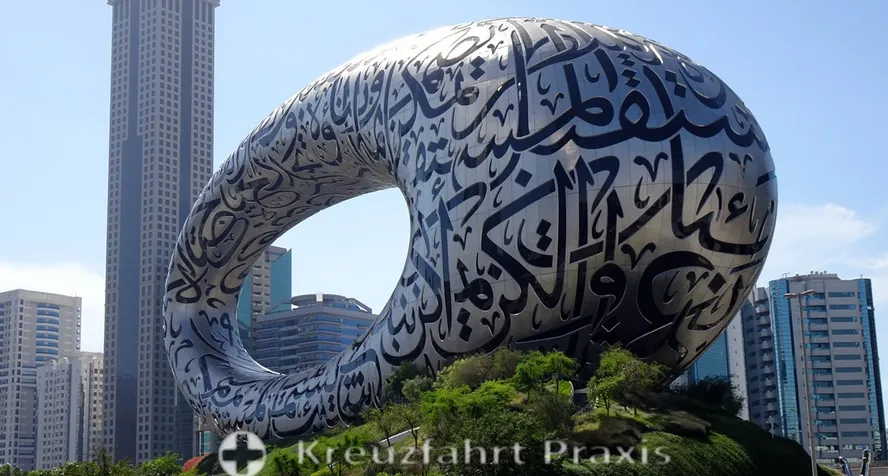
point(69, 415)
point(159, 158)
point(836, 328)
point(737, 359)
point(761, 370)
point(269, 283)
point(35, 329)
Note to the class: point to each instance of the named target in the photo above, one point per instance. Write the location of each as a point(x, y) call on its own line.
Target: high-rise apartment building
point(761, 368)
point(313, 329)
point(160, 157)
point(35, 329)
point(737, 361)
point(269, 284)
point(69, 410)
point(835, 326)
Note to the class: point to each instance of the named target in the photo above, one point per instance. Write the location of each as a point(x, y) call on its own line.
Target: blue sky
point(812, 76)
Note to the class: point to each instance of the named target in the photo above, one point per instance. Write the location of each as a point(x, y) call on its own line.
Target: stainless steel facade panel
point(570, 186)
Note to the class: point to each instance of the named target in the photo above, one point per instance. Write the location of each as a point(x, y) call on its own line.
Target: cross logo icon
point(242, 454)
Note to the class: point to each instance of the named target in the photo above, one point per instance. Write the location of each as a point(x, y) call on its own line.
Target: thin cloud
point(69, 279)
point(830, 237)
point(877, 263)
point(825, 237)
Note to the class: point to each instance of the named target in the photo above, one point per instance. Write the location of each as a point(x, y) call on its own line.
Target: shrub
point(474, 370)
point(555, 411)
point(539, 368)
point(621, 376)
point(717, 391)
point(395, 383)
point(413, 389)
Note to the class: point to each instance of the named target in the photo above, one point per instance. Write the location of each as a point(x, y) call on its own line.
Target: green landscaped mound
point(698, 444)
point(508, 397)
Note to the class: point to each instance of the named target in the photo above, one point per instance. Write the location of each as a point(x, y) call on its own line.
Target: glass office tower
point(310, 330)
point(713, 362)
point(724, 358)
point(268, 285)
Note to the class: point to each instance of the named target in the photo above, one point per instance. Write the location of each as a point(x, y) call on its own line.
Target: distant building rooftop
point(320, 299)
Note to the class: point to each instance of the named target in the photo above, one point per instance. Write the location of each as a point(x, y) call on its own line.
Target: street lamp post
point(770, 423)
point(808, 391)
point(846, 468)
point(865, 463)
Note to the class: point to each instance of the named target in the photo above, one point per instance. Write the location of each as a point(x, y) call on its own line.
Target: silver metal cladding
point(570, 186)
